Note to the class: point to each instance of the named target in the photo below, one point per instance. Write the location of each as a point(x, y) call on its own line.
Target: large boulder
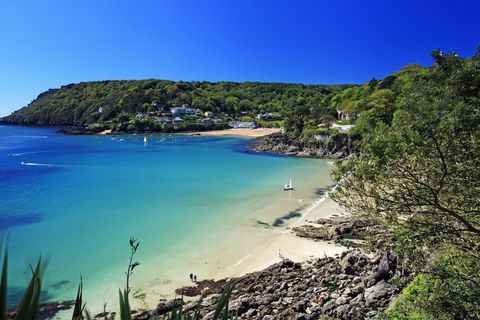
point(379, 294)
point(386, 268)
point(348, 262)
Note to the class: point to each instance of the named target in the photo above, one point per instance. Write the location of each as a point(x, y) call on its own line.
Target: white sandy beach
point(288, 245)
point(233, 261)
point(253, 133)
point(259, 249)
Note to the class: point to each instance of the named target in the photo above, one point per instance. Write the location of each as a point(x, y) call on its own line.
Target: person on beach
point(195, 278)
point(280, 255)
point(191, 276)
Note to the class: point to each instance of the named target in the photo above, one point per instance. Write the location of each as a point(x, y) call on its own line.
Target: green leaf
point(79, 306)
point(125, 312)
point(28, 308)
point(223, 302)
point(3, 282)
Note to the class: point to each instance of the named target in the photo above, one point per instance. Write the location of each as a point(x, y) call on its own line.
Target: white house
point(242, 124)
point(208, 114)
point(343, 127)
point(164, 119)
point(177, 120)
point(184, 109)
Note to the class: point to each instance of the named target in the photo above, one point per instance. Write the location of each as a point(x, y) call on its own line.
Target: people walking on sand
point(195, 278)
point(191, 276)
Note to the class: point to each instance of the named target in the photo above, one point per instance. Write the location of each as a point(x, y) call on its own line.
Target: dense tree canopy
point(417, 175)
point(79, 104)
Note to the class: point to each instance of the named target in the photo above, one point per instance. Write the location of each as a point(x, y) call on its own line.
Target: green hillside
point(119, 101)
point(137, 105)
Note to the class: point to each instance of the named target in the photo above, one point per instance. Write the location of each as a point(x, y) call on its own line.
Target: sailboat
point(288, 186)
point(145, 140)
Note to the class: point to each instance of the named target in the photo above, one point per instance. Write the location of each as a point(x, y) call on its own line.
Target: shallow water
point(194, 202)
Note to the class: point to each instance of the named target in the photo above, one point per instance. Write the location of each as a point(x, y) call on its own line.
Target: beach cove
point(191, 211)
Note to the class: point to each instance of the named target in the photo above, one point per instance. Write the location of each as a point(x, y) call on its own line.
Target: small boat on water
point(288, 186)
point(145, 140)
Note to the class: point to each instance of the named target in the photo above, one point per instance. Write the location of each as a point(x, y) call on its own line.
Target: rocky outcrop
point(333, 147)
point(344, 230)
point(345, 287)
point(73, 131)
point(46, 310)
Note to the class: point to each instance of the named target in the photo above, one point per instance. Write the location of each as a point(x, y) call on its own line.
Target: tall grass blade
point(196, 316)
point(79, 306)
point(223, 302)
point(122, 307)
point(28, 308)
point(125, 312)
point(87, 316)
point(3, 282)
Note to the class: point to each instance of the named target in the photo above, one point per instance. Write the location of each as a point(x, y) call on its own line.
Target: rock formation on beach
point(334, 147)
point(345, 230)
point(350, 286)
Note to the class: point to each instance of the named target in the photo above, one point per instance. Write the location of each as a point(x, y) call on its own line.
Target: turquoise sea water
point(76, 200)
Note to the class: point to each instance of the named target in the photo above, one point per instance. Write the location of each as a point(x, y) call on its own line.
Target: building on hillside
point(342, 115)
point(208, 114)
point(177, 120)
point(184, 109)
point(267, 115)
point(164, 119)
point(343, 127)
point(217, 120)
point(140, 115)
point(242, 124)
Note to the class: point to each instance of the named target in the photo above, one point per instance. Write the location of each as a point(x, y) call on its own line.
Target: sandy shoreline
point(234, 261)
point(265, 245)
point(253, 133)
point(283, 242)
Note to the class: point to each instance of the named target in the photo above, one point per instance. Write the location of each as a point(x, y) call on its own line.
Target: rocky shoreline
point(353, 285)
point(350, 286)
point(337, 146)
point(46, 310)
point(347, 231)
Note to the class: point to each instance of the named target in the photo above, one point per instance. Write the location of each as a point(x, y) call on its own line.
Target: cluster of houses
point(184, 110)
point(185, 114)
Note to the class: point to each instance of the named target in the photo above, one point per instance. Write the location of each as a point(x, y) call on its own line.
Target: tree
point(419, 177)
point(231, 104)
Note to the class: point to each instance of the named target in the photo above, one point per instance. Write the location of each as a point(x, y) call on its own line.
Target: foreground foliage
point(418, 177)
point(29, 306)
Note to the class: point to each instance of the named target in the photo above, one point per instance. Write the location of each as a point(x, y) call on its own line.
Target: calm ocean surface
point(76, 200)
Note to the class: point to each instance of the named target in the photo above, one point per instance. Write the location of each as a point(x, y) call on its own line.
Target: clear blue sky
point(45, 44)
